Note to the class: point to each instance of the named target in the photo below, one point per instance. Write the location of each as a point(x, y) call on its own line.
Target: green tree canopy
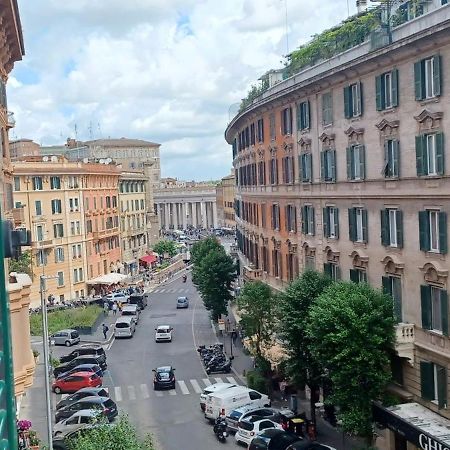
point(201, 248)
point(165, 246)
point(22, 264)
point(351, 329)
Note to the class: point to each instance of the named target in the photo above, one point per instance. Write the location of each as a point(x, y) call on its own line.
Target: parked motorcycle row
point(214, 359)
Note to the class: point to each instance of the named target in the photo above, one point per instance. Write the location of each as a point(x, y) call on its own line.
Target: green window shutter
point(379, 92)
point(397, 294)
point(309, 163)
point(308, 114)
point(304, 219)
point(354, 276)
point(399, 219)
point(418, 80)
point(361, 99)
point(425, 301)
point(427, 380)
point(386, 285)
point(323, 162)
point(299, 116)
point(337, 271)
point(424, 231)
point(336, 222)
point(444, 311)
point(387, 167)
point(420, 156)
point(301, 173)
point(352, 224)
point(327, 269)
point(384, 214)
point(362, 161)
point(350, 171)
point(395, 170)
point(442, 381)
point(443, 246)
point(326, 221)
point(333, 165)
point(313, 221)
point(348, 102)
point(440, 158)
point(437, 79)
point(394, 93)
point(365, 224)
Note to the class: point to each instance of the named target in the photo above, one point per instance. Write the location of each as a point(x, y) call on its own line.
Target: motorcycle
point(220, 429)
point(219, 367)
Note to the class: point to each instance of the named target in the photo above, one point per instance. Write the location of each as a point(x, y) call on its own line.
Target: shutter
point(333, 165)
point(352, 224)
point(313, 222)
point(348, 102)
point(304, 219)
point(394, 92)
point(418, 83)
point(326, 221)
point(425, 301)
point(440, 159)
point(443, 247)
point(386, 285)
point(337, 272)
point(360, 98)
point(308, 115)
point(350, 175)
point(427, 380)
point(442, 381)
point(444, 311)
point(309, 162)
point(437, 79)
point(420, 156)
point(385, 238)
point(323, 163)
point(379, 92)
point(354, 276)
point(395, 168)
point(362, 161)
point(286, 218)
point(399, 220)
point(301, 165)
point(365, 229)
point(387, 167)
point(336, 222)
point(327, 269)
point(299, 116)
point(397, 295)
point(424, 232)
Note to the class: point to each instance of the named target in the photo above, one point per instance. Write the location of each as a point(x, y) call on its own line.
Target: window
point(433, 231)
point(358, 275)
point(273, 129)
point(73, 182)
point(391, 159)
point(430, 154)
point(356, 162)
point(308, 220)
point(38, 207)
point(16, 184)
point(108, 201)
point(273, 171)
point(392, 228)
point(288, 169)
point(332, 270)
point(353, 105)
point(427, 78)
point(434, 302)
point(56, 207)
point(39, 233)
point(73, 204)
point(60, 278)
point(260, 130)
point(328, 165)
point(262, 173)
point(331, 222)
point(357, 225)
point(327, 108)
point(303, 116)
point(386, 90)
point(305, 164)
point(433, 380)
point(252, 134)
point(393, 287)
point(59, 254)
point(55, 183)
point(58, 230)
point(291, 218)
point(76, 251)
point(286, 121)
point(41, 258)
point(37, 183)
point(75, 228)
point(263, 215)
point(310, 262)
point(78, 275)
point(275, 217)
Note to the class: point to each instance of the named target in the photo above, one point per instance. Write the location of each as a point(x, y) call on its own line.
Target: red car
point(74, 381)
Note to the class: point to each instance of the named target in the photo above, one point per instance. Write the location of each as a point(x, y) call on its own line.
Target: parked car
point(164, 377)
point(125, 326)
point(216, 387)
point(82, 393)
point(86, 349)
point(308, 445)
point(75, 381)
point(163, 333)
point(131, 311)
point(60, 441)
point(85, 359)
point(182, 302)
point(94, 368)
point(241, 413)
point(117, 297)
point(141, 300)
point(77, 420)
point(249, 427)
point(66, 337)
point(104, 404)
point(273, 439)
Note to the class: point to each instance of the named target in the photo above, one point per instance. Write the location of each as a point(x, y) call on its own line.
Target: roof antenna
point(287, 29)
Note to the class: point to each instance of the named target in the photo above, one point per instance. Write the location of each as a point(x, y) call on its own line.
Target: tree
point(120, 435)
point(201, 248)
point(22, 264)
point(165, 246)
point(294, 306)
point(351, 329)
point(256, 308)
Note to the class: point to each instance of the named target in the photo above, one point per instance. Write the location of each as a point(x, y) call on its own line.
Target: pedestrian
point(120, 306)
point(114, 308)
point(283, 386)
point(106, 308)
point(105, 330)
point(234, 336)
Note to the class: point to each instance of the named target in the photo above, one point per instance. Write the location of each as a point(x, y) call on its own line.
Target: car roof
point(182, 298)
point(84, 357)
point(163, 326)
point(127, 319)
point(85, 413)
point(93, 399)
point(271, 432)
point(255, 418)
point(129, 307)
point(66, 330)
point(247, 409)
point(164, 368)
point(90, 389)
point(231, 391)
point(93, 346)
point(79, 374)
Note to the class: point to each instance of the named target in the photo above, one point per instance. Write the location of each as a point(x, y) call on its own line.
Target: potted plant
point(34, 440)
point(36, 356)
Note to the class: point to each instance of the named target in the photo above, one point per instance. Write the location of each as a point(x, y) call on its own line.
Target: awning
point(110, 278)
point(148, 259)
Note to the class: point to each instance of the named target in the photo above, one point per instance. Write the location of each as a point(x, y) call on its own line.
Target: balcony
point(404, 341)
point(18, 216)
point(105, 233)
point(10, 121)
point(46, 243)
point(39, 218)
point(252, 274)
point(234, 249)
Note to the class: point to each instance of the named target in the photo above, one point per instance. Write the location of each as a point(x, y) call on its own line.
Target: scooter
point(224, 367)
point(220, 429)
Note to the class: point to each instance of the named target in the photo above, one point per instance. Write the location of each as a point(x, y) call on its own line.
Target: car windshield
point(246, 425)
point(122, 325)
point(235, 415)
point(162, 330)
point(128, 313)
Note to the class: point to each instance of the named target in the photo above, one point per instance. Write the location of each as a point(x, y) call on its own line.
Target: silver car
point(66, 337)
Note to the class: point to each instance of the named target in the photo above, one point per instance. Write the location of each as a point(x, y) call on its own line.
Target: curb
point(92, 341)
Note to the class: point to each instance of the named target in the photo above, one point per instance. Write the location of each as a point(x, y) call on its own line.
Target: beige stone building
point(225, 202)
point(343, 168)
point(22, 148)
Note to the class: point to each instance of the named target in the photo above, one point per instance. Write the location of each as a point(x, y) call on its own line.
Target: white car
point(163, 333)
point(77, 420)
point(249, 427)
point(118, 297)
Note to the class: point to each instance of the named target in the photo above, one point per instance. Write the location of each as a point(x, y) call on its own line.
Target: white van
point(131, 311)
point(216, 387)
point(221, 403)
point(124, 327)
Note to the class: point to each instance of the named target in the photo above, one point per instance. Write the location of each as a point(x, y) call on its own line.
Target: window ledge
point(427, 101)
point(360, 244)
point(327, 125)
point(388, 110)
point(60, 287)
point(355, 118)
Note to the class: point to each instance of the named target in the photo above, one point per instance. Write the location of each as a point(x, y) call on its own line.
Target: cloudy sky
point(169, 71)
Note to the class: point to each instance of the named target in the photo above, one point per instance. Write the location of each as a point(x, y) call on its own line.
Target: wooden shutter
point(336, 222)
point(362, 161)
point(387, 285)
point(443, 247)
point(399, 220)
point(352, 224)
point(397, 295)
point(418, 80)
point(394, 92)
point(440, 156)
point(307, 114)
point(427, 380)
point(350, 166)
point(333, 164)
point(309, 163)
point(379, 92)
point(365, 223)
point(323, 163)
point(313, 222)
point(299, 116)
point(424, 231)
point(437, 79)
point(326, 221)
point(354, 276)
point(425, 301)
point(384, 215)
point(304, 219)
point(444, 311)
point(327, 269)
point(395, 169)
point(420, 157)
point(360, 98)
point(348, 102)
point(301, 165)
point(442, 380)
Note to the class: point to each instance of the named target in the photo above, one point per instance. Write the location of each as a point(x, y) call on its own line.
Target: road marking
point(206, 381)
point(183, 387)
point(231, 380)
point(218, 380)
point(159, 394)
point(131, 393)
point(111, 343)
point(172, 392)
point(162, 290)
point(144, 391)
point(118, 394)
point(196, 386)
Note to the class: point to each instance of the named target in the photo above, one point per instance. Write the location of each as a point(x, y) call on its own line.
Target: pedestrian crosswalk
point(170, 291)
point(133, 393)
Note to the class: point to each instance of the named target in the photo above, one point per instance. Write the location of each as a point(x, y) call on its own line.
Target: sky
point(168, 71)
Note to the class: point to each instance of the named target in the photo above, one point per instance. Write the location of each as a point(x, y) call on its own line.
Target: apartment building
point(342, 168)
point(21, 148)
point(225, 202)
point(72, 212)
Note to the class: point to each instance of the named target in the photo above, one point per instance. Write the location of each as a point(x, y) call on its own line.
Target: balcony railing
point(11, 121)
point(18, 215)
point(252, 274)
point(105, 233)
point(42, 244)
point(404, 341)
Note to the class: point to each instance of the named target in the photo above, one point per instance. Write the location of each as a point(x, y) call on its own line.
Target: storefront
point(411, 426)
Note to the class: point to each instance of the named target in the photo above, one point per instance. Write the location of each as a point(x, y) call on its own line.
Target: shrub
point(256, 381)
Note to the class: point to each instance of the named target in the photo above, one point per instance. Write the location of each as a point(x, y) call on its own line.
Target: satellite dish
point(85, 160)
point(108, 160)
point(102, 161)
point(45, 159)
point(54, 159)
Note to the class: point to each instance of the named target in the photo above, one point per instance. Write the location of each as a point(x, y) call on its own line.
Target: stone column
point(203, 214)
point(214, 208)
point(166, 216)
point(194, 214)
point(184, 215)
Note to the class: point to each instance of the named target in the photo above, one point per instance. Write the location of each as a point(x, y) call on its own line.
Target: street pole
point(46, 361)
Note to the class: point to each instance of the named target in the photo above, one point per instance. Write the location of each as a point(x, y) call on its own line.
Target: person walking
point(119, 306)
point(106, 308)
point(114, 308)
point(105, 330)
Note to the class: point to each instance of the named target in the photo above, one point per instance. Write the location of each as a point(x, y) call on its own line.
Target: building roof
point(122, 142)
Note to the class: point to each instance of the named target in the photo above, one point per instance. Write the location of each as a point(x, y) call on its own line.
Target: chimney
point(361, 5)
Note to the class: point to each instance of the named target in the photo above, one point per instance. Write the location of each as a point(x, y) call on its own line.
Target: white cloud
point(163, 70)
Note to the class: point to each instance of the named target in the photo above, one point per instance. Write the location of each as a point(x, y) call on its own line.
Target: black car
point(164, 377)
point(104, 404)
point(308, 445)
point(273, 439)
point(76, 362)
point(82, 393)
point(138, 299)
point(95, 368)
point(92, 350)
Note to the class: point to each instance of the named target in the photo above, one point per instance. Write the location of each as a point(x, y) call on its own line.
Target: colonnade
point(183, 215)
